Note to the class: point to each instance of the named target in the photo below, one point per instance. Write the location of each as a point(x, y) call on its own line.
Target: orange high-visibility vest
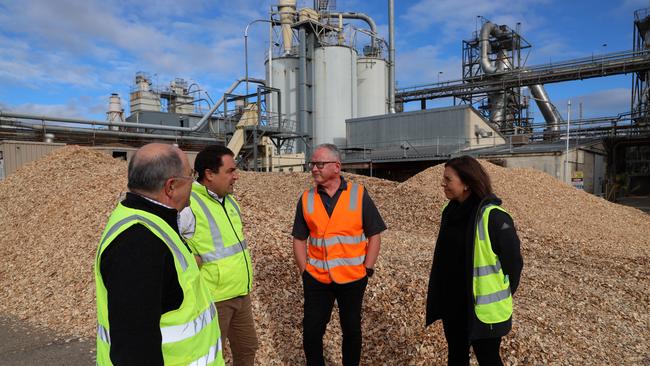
point(337, 246)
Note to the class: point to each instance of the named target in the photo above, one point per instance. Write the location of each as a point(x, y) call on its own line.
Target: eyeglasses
point(319, 164)
point(192, 176)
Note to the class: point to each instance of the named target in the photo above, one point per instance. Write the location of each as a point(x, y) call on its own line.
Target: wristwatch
point(370, 272)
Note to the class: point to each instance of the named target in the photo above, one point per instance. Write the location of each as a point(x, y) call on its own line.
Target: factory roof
point(541, 147)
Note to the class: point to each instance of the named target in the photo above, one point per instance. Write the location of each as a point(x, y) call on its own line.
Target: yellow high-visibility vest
point(219, 240)
point(190, 334)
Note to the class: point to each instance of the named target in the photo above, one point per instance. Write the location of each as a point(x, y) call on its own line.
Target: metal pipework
point(498, 100)
point(361, 16)
point(302, 84)
point(488, 29)
point(196, 128)
point(550, 113)
point(90, 131)
point(391, 56)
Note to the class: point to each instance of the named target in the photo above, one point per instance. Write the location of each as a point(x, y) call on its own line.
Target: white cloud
point(78, 107)
point(423, 65)
point(598, 104)
point(458, 16)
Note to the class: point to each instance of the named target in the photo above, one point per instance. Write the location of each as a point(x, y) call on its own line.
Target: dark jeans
point(486, 350)
point(319, 301)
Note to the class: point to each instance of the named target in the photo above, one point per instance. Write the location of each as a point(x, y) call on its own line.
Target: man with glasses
point(212, 226)
point(336, 240)
point(152, 308)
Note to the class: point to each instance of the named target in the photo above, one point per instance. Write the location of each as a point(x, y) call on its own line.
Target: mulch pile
point(584, 297)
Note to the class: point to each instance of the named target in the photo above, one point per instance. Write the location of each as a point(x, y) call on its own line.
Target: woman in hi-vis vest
point(476, 266)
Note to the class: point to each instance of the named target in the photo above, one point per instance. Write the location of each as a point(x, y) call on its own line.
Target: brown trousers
point(238, 326)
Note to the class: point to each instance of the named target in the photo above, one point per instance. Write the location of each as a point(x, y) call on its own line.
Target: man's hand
point(300, 253)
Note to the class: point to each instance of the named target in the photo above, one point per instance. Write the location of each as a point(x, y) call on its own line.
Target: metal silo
point(285, 78)
point(372, 87)
point(335, 92)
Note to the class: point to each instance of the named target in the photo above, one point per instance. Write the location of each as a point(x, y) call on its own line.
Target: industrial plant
point(104, 254)
point(330, 78)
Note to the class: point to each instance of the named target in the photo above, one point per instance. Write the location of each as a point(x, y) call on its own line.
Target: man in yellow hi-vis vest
point(152, 306)
point(213, 228)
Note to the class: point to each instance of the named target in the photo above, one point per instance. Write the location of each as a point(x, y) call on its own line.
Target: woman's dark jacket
point(450, 283)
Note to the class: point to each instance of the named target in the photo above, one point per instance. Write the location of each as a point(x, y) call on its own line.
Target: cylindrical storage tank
point(372, 87)
point(285, 78)
point(335, 93)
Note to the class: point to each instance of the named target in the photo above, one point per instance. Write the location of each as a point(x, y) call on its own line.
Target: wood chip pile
point(584, 297)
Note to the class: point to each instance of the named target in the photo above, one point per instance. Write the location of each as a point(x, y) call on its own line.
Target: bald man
point(148, 285)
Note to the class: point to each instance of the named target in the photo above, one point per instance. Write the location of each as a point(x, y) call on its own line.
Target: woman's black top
point(450, 283)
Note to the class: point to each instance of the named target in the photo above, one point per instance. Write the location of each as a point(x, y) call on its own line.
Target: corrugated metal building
point(15, 154)
point(448, 129)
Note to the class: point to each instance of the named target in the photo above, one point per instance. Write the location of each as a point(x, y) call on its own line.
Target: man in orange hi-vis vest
point(336, 240)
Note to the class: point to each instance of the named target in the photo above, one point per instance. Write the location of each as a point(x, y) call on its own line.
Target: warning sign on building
point(577, 180)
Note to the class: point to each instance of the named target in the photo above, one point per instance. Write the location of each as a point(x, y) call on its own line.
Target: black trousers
point(319, 301)
point(456, 333)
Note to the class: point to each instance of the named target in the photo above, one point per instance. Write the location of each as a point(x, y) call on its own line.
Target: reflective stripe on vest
point(491, 289)
point(336, 262)
point(487, 270)
point(220, 251)
point(175, 333)
point(181, 332)
point(337, 240)
point(102, 333)
point(170, 243)
point(493, 297)
point(354, 191)
point(210, 357)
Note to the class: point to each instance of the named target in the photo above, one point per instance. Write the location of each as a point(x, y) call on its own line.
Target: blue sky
point(65, 57)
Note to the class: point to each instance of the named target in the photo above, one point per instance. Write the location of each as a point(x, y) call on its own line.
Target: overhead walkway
point(578, 69)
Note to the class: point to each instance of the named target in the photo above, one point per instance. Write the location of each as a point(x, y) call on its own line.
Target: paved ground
point(24, 345)
point(640, 202)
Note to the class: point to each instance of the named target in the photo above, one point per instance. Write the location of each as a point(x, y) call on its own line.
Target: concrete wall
point(590, 163)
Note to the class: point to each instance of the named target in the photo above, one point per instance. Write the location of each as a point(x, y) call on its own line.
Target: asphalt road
point(22, 344)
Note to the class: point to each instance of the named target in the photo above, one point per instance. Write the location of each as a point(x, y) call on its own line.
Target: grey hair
point(149, 174)
point(332, 149)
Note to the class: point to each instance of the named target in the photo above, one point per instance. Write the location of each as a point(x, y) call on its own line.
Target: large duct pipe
point(488, 29)
point(550, 113)
point(196, 128)
point(391, 56)
point(499, 100)
point(287, 9)
point(360, 16)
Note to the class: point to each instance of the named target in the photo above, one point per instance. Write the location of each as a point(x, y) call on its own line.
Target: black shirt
point(373, 223)
point(141, 282)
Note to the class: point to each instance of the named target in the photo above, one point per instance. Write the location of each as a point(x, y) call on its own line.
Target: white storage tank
point(285, 78)
point(372, 87)
point(335, 93)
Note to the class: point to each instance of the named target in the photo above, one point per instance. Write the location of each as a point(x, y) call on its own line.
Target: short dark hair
point(472, 174)
point(149, 174)
point(210, 158)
